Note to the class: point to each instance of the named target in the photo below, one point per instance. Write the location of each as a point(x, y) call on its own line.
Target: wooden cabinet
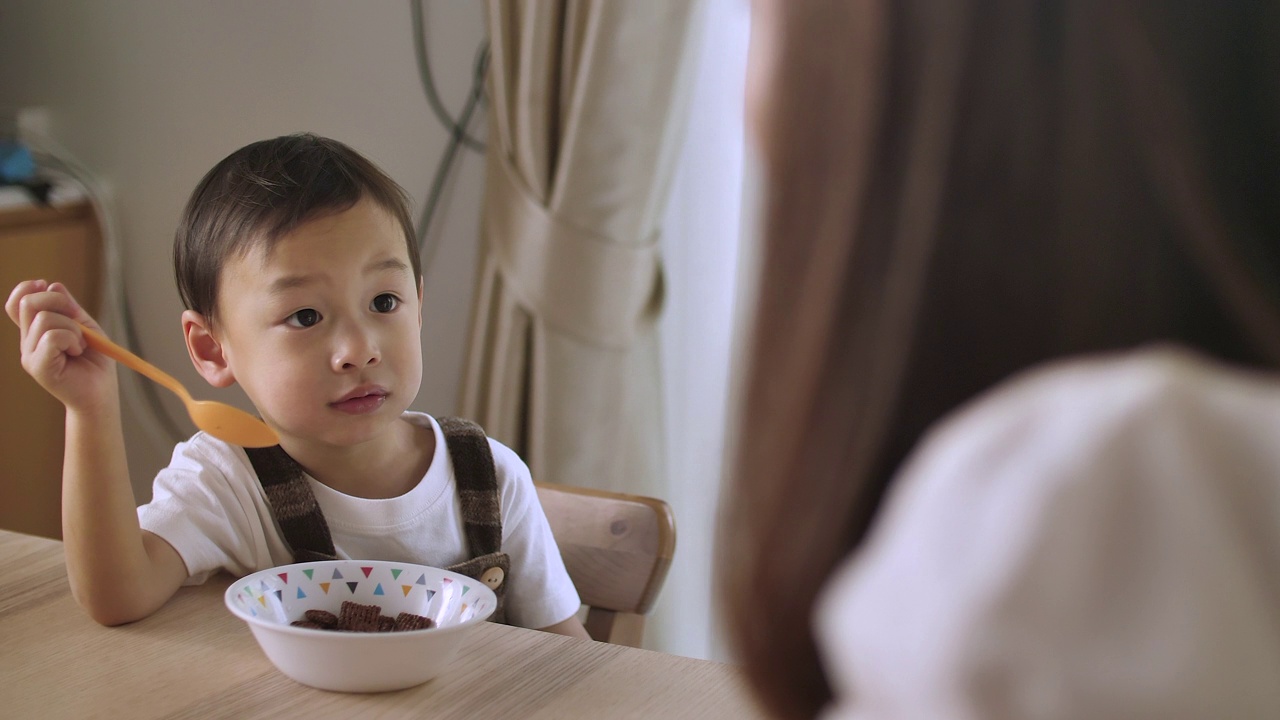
point(61, 243)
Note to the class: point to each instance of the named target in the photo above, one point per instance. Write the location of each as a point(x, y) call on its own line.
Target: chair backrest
point(617, 549)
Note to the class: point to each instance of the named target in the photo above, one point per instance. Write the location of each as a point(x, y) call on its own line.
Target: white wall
point(702, 246)
point(151, 93)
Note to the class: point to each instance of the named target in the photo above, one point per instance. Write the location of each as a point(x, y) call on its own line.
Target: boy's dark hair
point(265, 190)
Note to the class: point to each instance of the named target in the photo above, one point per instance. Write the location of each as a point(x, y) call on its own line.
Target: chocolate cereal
point(355, 617)
point(409, 621)
point(322, 617)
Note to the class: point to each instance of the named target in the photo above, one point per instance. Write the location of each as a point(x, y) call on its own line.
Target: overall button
point(493, 577)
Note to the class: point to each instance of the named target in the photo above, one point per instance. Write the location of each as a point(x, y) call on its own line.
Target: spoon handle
point(102, 344)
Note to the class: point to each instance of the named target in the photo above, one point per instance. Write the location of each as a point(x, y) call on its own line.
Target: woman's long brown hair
point(955, 191)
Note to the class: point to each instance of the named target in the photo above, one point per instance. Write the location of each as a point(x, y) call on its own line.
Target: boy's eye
point(385, 303)
point(304, 318)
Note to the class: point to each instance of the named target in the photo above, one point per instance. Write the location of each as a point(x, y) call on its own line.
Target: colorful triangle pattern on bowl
point(254, 596)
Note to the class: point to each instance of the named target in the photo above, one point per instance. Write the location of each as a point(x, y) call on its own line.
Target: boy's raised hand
point(54, 351)
point(117, 572)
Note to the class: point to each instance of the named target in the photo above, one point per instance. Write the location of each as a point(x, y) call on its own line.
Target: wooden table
point(193, 659)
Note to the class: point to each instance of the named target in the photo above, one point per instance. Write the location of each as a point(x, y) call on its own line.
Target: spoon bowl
point(227, 423)
point(230, 424)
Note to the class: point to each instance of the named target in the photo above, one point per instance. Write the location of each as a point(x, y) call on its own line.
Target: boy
point(298, 265)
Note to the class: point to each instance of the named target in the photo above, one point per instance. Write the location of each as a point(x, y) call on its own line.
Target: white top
point(209, 506)
point(1099, 539)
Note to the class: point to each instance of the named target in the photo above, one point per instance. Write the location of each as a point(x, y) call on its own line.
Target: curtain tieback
point(576, 281)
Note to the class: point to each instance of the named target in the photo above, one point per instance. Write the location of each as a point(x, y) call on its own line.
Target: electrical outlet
point(35, 126)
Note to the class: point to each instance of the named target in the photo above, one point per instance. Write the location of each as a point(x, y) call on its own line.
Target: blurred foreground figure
point(1010, 440)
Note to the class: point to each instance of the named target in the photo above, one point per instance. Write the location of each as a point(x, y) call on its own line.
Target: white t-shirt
point(209, 505)
point(1097, 539)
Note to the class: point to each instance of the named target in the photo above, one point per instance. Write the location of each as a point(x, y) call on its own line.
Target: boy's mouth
point(362, 400)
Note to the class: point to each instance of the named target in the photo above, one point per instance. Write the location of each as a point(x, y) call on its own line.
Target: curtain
point(586, 113)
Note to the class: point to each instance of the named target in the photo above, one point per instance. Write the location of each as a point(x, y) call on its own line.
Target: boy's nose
point(356, 350)
point(353, 363)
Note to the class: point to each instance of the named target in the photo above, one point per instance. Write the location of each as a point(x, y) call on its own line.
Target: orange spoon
point(220, 420)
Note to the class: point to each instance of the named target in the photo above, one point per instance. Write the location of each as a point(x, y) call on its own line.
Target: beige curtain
point(586, 112)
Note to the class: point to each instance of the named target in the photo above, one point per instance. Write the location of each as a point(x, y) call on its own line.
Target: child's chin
point(343, 434)
point(332, 436)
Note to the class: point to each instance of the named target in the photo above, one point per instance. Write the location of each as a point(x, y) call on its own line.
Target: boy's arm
point(117, 572)
point(527, 538)
point(571, 627)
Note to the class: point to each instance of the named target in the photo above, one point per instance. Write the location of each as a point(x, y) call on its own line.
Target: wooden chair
point(617, 549)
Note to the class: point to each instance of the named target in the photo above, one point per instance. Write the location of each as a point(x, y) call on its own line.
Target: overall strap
point(293, 504)
point(307, 533)
point(477, 484)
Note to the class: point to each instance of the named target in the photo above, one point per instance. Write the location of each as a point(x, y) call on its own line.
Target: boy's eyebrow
point(387, 264)
point(289, 282)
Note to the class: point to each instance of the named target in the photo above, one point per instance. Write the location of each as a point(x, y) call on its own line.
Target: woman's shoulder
point(1080, 511)
point(1082, 433)
point(1064, 409)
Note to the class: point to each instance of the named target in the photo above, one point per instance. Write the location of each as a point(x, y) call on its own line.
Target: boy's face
point(323, 332)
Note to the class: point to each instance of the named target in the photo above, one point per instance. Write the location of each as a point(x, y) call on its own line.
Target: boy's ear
point(205, 350)
point(420, 281)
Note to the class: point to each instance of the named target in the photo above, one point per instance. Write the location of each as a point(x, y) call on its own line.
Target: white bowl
point(269, 600)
